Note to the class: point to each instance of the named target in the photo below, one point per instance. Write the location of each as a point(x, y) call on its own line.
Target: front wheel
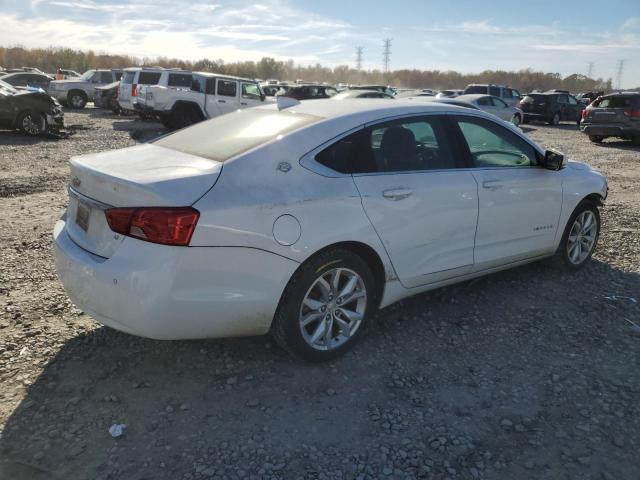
point(326, 306)
point(77, 99)
point(32, 123)
point(580, 236)
point(596, 138)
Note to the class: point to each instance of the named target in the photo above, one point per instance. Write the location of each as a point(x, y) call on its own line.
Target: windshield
point(6, 88)
point(86, 76)
point(228, 135)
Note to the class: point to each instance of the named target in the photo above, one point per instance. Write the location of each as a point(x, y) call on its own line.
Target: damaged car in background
point(32, 112)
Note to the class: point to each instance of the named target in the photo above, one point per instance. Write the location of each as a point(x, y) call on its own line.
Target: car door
point(519, 201)
point(250, 95)
point(227, 95)
point(420, 201)
point(501, 109)
point(211, 105)
point(575, 108)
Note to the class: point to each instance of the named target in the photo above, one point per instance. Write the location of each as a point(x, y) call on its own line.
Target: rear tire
point(32, 123)
point(596, 138)
point(580, 237)
point(77, 99)
point(326, 306)
point(184, 116)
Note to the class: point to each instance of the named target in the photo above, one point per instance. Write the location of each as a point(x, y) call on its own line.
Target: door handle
point(243, 103)
point(492, 184)
point(222, 101)
point(397, 193)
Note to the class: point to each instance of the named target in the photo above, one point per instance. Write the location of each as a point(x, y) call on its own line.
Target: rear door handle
point(222, 101)
point(243, 103)
point(397, 193)
point(492, 184)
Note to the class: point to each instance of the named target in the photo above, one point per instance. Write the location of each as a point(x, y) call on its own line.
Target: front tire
point(32, 123)
point(555, 120)
point(580, 237)
point(596, 138)
point(326, 306)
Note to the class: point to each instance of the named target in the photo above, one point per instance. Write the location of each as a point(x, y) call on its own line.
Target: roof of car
point(14, 74)
point(470, 97)
point(221, 75)
point(372, 109)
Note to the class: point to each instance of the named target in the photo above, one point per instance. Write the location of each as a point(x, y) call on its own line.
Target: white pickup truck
point(210, 95)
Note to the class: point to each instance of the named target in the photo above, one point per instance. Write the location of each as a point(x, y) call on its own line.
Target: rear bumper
point(171, 293)
point(610, 130)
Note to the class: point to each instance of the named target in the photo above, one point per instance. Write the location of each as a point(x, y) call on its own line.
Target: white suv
point(134, 77)
point(208, 96)
point(510, 96)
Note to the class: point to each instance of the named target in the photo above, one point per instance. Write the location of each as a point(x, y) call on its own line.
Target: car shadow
point(179, 396)
point(619, 144)
point(141, 130)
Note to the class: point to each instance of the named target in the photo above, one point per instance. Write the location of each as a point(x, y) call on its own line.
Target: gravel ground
point(526, 374)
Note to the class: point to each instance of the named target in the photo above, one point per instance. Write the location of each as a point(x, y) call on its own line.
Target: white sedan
point(302, 221)
point(494, 106)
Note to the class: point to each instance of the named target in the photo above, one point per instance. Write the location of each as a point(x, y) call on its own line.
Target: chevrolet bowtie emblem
point(75, 182)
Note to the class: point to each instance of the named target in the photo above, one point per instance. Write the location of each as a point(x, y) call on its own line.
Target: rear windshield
point(127, 78)
point(618, 102)
point(475, 89)
point(228, 135)
point(535, 98)
point(149, 78)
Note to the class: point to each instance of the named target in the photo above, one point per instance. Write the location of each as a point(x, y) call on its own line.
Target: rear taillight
point(585, 112)
point(632, 113)
point(134, 90)
point(165, 225)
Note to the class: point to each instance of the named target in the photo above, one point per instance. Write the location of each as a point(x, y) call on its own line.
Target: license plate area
point(83, 214)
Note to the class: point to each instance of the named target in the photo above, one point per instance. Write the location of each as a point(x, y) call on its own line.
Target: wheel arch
point(188, 105)
point(368, 254)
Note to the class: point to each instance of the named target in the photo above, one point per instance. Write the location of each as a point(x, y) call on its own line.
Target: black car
point(31, 112)
point(551, 107)
point(106, 96)
point(27, 79)
point(613, 115)
point(310, 92)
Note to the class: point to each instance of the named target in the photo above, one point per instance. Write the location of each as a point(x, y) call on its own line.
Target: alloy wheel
point(582, 237)
point(33, 124)
point(77, 101)
point(333, 308)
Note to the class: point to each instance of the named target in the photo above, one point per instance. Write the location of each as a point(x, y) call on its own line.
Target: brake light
point(585, 112)
point(134, 90)
point(632, 113)
point(165, 225)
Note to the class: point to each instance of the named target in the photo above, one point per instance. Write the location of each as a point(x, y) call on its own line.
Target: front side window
point(572, 100)
point(106, 77)
point(179, 80)
point(250, 91)
point(506, 93)
point(492, 145)
point(499, 103)
point(227, 88)
point(563, 99)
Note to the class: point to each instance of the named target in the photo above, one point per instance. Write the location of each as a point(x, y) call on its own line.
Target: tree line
point(50, 59)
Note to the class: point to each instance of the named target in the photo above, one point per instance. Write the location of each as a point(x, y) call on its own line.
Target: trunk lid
point(141, 176)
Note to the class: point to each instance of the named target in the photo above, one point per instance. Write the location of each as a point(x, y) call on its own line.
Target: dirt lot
point(526, 374)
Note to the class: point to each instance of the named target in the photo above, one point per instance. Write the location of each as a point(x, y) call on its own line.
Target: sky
point(468, 36)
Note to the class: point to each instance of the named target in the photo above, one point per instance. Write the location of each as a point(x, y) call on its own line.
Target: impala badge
point(76, 182)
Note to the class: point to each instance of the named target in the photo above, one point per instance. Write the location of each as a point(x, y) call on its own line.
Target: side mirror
point(554, 160)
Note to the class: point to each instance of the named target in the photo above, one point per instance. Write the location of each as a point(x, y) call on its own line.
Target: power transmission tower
point(619, 76)
point(386, 54)
point(590, 69)
point(359, 58)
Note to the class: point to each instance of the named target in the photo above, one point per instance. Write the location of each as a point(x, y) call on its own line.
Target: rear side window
point(618, 102)
point(127, 78)
point(106, 77)
point(118, 75)
point(475, 89)
point(495, 91)
point(491, 145)
point(415, 144)
point(179, 80)
point(149, 78)
point(227, 88)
